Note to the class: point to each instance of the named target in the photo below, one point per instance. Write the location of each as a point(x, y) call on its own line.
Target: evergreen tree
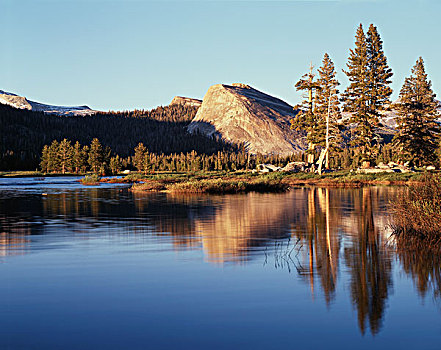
point(44, 160)
point(356, 97)
point(96, 156)
point(146, 164)
point(305, 119)
point(115, 165)
point(138, 159)
point(53, 164)
point(379, 72)
point(65, 155)
point(79, 157)
point(85, 159)
point(418, 132)
point(368, 92)
point(105, 164)
point(327, 106)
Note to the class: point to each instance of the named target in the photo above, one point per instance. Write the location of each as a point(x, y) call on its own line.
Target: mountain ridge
point(22, 102)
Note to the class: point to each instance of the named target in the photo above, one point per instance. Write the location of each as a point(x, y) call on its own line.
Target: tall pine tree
point(327, 107)
point(80, 157)
point(418, 132)
point(379, 73)
point(138, 159)
point(44, 160)
point(65, 156)
point(305, 119)
point(53, 164)
point(96, 156)
point(368, 93)
point(355, 97)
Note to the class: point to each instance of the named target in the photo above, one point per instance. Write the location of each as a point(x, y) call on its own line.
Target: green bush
point(91, 179)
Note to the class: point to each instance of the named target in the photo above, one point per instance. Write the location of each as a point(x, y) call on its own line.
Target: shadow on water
point(315, 233)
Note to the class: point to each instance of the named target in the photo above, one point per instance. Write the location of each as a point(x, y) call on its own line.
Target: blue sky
point(126, 54)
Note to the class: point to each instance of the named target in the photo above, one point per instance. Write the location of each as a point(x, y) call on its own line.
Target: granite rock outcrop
point(242, 115)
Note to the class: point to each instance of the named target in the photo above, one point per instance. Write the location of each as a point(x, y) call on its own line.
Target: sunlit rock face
point(23, 103)
point(186, 101)
point(241, 114)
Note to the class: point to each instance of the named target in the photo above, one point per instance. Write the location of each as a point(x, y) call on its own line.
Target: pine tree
point(96, 156)
point(379, 73)
point(115, 165)
point(84, 158)
point(305, 119)
point(327, 109)
point(146, 163)
point(368, 92)
point(65, 155)
point(138, 159)
point(44, 160)
point(105, 164)
point(53, 164)
point(76, 157)
point(356, 96)
point(79, 157)
point(418, 132)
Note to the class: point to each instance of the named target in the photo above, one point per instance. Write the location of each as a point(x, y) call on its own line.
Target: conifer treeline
point(365, 100)
point(65, 157)
point(163, 130)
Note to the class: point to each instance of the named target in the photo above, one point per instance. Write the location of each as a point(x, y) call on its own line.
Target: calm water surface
point(103, 268)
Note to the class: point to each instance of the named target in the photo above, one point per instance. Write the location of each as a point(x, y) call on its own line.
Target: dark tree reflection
point(369, 264)
point(423, 266)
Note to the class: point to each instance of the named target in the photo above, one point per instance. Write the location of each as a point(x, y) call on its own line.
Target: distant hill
point(241, 114)
point(21, 102)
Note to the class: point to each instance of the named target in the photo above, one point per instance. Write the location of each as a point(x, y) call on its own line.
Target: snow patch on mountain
point(21, 102)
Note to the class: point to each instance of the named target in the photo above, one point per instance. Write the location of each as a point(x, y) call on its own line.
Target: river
point(100, 267)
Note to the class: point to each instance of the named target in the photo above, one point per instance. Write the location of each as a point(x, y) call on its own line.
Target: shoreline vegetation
point(245, 181)
point(417, 216)
point(242, 182)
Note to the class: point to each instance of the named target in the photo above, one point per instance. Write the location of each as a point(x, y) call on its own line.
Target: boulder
point(267, 168)
point(295, 167)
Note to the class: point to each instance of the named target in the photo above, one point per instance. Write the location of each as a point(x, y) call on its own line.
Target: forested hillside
point(23, 133)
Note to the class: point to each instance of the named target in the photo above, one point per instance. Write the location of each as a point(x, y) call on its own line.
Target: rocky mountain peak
point(241, 114)
point(186, 101)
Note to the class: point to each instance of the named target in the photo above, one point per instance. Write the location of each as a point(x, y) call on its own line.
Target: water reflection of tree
point(423, 266)
point(319, 233)
point(329, 214)
point(369, 265)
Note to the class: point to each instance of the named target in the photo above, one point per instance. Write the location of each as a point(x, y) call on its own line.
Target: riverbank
point(240, 181)
point(221, 182)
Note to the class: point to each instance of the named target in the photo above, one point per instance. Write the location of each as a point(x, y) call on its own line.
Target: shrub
point(417, 214)
point(93, 179)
